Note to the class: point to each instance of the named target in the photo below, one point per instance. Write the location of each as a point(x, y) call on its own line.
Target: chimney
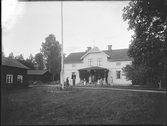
point(89, 48)
point(109, 47)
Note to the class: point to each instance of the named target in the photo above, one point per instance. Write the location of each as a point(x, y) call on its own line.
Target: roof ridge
point(101, 50)
point(115, 49)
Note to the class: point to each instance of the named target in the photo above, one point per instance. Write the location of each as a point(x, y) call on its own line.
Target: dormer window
point(99, 62)
point(90, 62)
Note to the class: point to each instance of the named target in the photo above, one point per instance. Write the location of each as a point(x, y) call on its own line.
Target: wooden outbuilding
point(39, 75)
point(13, 73)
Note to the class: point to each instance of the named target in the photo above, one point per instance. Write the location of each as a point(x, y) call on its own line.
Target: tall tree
point(149, 44)
point(51, 51)
point(11, 55)
point(39, 61)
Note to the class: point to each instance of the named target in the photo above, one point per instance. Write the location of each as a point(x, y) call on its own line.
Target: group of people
point(100, 81)
point(73, 77)
point(91, 80)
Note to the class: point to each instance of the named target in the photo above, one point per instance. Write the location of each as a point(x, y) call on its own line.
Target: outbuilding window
point(9, 78)
point(118, 74)
point(20, 78)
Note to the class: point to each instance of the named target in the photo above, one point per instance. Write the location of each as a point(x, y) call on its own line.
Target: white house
point(94, 60)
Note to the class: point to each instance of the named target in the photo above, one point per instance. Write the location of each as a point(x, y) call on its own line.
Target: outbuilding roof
point(12, 63)
point(114, 55)
point(36, 72)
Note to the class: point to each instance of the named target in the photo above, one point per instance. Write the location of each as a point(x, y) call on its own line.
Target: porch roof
point(94, 68)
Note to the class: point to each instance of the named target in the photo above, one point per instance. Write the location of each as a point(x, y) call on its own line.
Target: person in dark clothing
point(67, 82)
point(73, 78)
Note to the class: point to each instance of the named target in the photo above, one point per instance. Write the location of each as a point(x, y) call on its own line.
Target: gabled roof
point(118, 55)
point(36, 72)
point(114, 55)
point(74, 57)
point(12, 63)
point(94, 50)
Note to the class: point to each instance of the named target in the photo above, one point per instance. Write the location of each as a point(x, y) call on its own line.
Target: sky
point(25, 25)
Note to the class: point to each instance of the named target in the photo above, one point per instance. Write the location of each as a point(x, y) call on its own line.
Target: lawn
point(83, 106)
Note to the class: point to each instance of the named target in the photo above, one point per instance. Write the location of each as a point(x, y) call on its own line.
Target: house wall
point(14, 71)
point(69, 68)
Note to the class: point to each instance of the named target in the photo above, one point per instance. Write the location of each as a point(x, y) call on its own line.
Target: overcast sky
point(25, 25)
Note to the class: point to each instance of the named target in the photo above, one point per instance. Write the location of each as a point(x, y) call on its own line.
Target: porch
point(93, 76)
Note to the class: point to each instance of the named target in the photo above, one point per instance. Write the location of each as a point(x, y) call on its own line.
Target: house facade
point(99, 64)
point(13, 73)
point(39, 75)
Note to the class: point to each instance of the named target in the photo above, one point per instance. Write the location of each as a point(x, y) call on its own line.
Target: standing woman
point(90, 79)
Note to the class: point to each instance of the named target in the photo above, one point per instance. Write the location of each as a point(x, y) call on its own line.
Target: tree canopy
point(149, 44)
point(19, 57)
point(11, 55)
point(51, 51)
point(29, 62)
point(39, 61)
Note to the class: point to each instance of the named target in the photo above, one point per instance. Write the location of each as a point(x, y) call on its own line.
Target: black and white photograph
point(83, 62)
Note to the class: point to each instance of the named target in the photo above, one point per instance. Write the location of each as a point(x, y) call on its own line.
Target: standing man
point(73, 78)
point(67, 82)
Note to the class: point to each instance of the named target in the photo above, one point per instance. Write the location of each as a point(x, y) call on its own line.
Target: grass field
point(84, 106)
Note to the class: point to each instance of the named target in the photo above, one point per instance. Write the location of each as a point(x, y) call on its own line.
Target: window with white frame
point(118, 74)
point(20, 78)
point(9, 78)
point(90, 62)
point(118, 63)
point(99, 62)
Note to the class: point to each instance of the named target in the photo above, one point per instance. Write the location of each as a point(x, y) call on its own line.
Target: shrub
point(137, 74)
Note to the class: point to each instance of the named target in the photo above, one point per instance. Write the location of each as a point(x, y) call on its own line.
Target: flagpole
point(62, 57)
